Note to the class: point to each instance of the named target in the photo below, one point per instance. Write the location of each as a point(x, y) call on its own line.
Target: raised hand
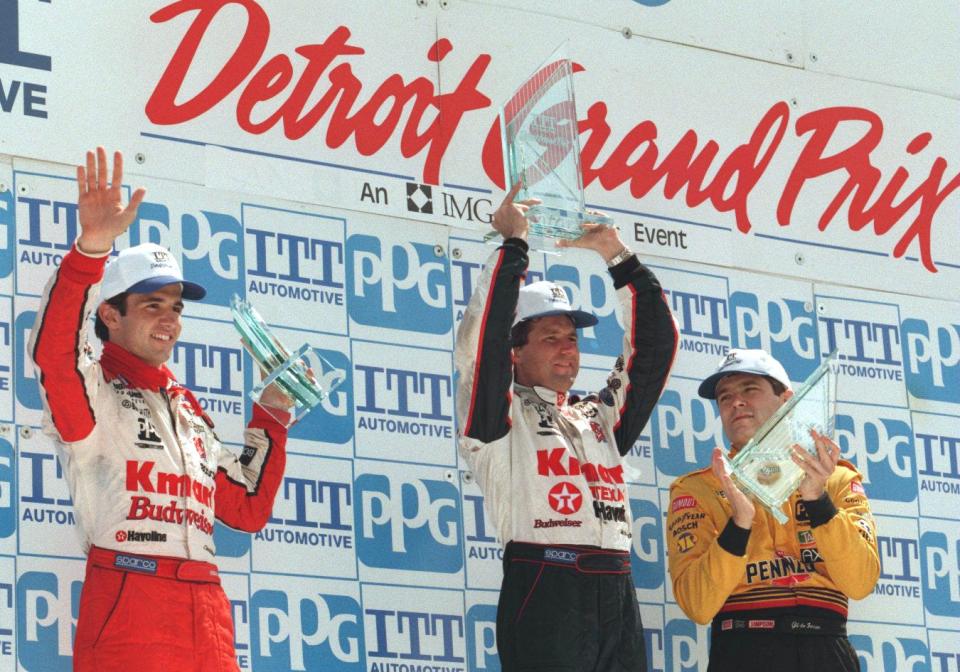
point(817, 468)
point(510, 219)
point(103, 217)
point(743, 507)
point(603, 239)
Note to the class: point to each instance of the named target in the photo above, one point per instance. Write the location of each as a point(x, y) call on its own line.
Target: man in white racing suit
point(551, 467)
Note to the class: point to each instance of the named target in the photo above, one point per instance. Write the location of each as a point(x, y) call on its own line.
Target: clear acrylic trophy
point(763, 468)
point(297, 374)
point(541, 149)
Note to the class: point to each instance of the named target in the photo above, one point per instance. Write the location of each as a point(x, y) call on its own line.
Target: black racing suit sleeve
point(650, 345)
point(483, 345)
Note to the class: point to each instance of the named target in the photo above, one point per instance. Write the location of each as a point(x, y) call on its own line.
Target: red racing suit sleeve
point(247, 483)
point(67, 373)
point(846, 533)
point(650, 341)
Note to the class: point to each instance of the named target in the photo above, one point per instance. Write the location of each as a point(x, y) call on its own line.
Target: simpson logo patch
point(684, 502)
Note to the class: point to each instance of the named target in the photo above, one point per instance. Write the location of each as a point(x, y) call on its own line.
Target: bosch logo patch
point(133, 563)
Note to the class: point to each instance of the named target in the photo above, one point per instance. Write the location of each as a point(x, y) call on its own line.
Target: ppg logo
point(7, 233)
point(8, 491)
point(296, 631)
point(940, 558)
point(230, 543)
point(408, 525)
point(646, 554)
point(211, 243)
point(684, 430)
point(683, 646)
point(403, 286)
point(46, 617)
point(882, 449)
point(783, 327)
point(895, 653)
point(26, 389)
point(594, 294)
point(932, 355)
point(482, 638)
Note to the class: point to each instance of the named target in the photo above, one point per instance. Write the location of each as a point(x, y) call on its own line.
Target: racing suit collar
point(552, 397)
point(118, 362)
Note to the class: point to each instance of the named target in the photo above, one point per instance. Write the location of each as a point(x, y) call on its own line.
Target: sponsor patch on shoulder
point(684, 502)
point(857, 487)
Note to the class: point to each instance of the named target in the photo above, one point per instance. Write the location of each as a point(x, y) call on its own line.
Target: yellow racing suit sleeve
point(846, 533)
point(706, 551)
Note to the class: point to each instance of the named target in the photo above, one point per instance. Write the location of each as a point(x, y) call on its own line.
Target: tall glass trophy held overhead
point(763, 468)
point(541, 150)
point(300, 374)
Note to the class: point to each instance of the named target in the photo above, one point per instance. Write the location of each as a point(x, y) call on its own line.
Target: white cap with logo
point(145, 268)
point(543, 299)
point(757, 362)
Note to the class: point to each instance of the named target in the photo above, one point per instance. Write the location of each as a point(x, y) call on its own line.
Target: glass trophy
point(541, 149)
point(297, 374)
point(763, 468)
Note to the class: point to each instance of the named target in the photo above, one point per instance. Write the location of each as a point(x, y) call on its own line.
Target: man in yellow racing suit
point(776, 594)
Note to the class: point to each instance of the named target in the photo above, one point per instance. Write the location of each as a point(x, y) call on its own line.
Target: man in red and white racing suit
point(552, 469)
point(146, 471)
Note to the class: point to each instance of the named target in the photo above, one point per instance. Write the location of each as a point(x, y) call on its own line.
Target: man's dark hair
point(520, 333)
point(778, 387)
point(99, 327)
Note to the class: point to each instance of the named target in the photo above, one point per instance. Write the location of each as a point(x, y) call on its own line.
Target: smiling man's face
point(151, 326)
point(746, 401)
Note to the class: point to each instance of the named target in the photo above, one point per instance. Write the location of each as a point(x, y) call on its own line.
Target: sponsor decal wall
point(338, 166)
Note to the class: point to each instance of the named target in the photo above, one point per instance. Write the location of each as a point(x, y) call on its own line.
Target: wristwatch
point(620, 257)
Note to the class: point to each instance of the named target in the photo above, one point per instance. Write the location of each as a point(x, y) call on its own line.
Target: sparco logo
point(558, 555)
point(136, 564)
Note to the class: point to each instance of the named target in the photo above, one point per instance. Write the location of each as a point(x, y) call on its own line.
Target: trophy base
point(550, 223)
point(298, 377)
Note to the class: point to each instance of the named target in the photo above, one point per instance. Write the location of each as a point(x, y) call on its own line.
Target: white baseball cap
point(757, 362)
point(543, 298)
point(145, 268)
